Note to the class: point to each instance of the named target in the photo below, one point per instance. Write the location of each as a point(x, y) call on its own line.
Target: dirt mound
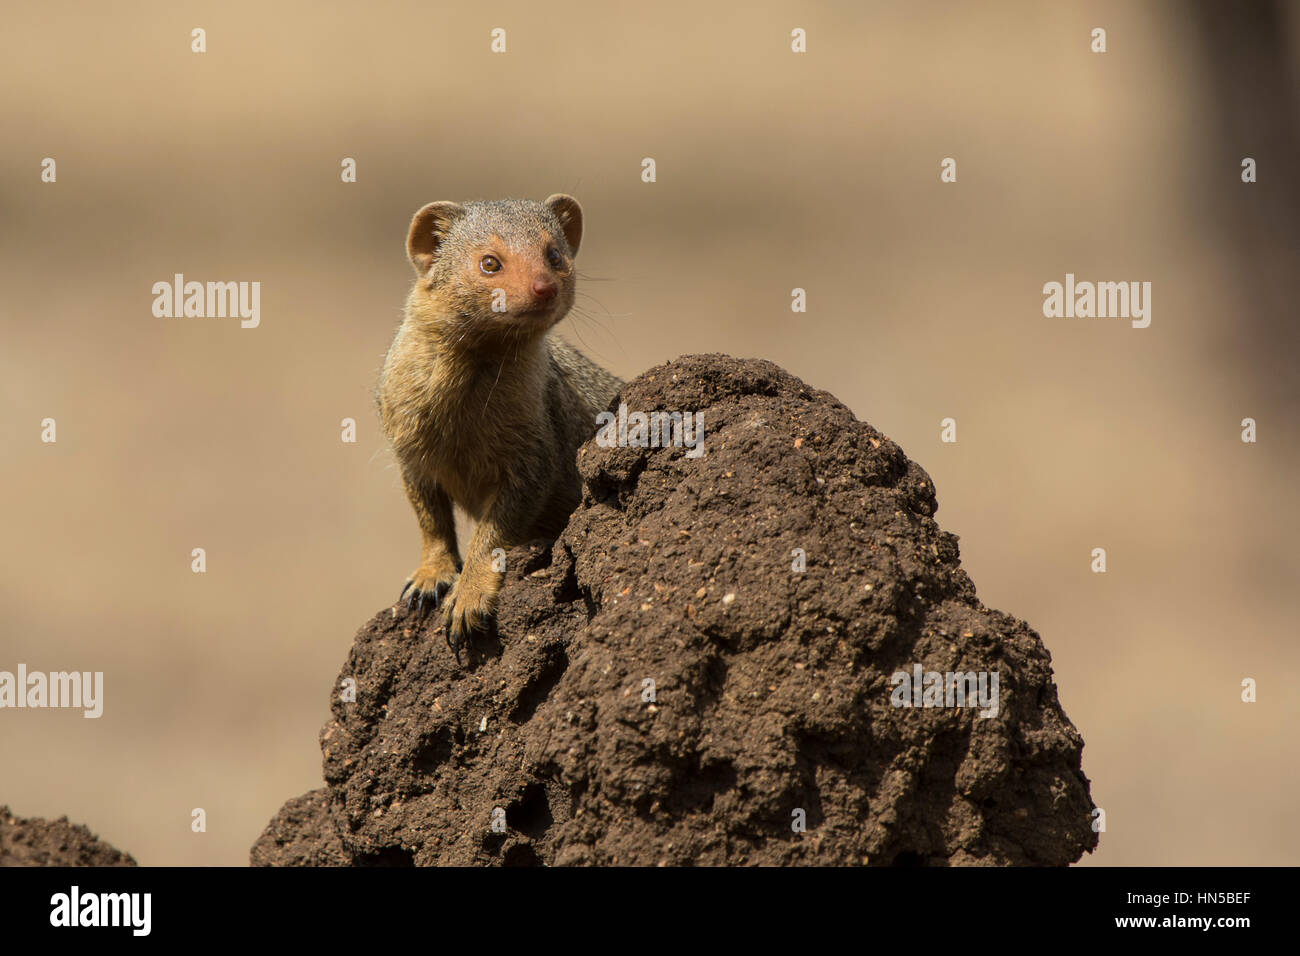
point(668, 687)
point(37, 842)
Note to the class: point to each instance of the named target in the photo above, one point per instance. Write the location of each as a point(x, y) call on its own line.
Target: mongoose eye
point(490, 264)
point(555, 259)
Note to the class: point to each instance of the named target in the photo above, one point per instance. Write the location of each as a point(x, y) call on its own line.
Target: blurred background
point(775, 171)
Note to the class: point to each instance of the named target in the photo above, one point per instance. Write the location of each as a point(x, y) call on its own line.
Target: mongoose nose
point(543, 288)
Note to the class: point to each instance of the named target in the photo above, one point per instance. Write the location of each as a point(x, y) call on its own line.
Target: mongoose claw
point(464, 615)
point(459, 632)
point(455, 643)
point(420, 598)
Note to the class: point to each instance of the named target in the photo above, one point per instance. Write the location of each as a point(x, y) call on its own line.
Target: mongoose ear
point(428, 228)
point(569, 213)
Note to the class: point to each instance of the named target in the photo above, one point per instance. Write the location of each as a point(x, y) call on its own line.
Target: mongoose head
point(494, 271)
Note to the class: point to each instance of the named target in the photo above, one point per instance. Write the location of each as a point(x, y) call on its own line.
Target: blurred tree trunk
point(1250, 67)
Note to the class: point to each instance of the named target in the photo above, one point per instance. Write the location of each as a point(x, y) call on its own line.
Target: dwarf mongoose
point(484, 408)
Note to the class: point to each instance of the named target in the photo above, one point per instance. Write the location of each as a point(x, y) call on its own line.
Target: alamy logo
point(652, 430)
point(924, 688)
point(75, 908)
point(55, 689)
point(215, 300)
point(1085, 300)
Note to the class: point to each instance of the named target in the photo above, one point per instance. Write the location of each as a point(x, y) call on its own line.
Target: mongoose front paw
point(466, 611)
point(427, 589)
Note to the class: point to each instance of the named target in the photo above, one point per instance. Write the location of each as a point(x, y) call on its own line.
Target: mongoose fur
point(483, 407)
